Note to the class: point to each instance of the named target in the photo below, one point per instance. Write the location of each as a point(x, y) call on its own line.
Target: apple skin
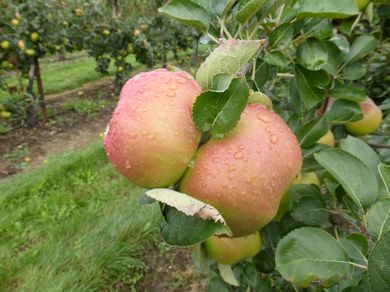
point(5, 45)
point(245, 174)
point(228, 251)
point(136, 32)
point(15, 22)
point(34, 36)
point(151, 136)
point(327, 139)
point(307, 178)
point(372, 119)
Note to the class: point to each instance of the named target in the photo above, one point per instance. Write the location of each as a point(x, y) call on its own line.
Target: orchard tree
point(268, 162)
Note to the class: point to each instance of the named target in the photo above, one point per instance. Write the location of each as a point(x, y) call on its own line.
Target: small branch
point(285, 75)
point(379, 145)
point(213, 38)
point(324, 106)
point(359, 266)
point(223, 28)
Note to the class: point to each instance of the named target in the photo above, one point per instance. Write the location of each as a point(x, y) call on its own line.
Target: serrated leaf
point(353, 251)
point(348, 92)
point(312, 54)
point(227, 275)
point(182, 230)
point(263, 74)
point(219, 112)
point(384, 171)
point(357, 180)
point(343, 111)
point(249, 10)
point(362, 151)
point(311, 85)
point(378, 219)
point(187, 12)
point(379, 266)
point(276, 58)
point(186, 204)
point(227, 59)
point(310, 133)
point(309, 254)
point(311, 211)
point(362, 46)
point(328, 9)
point(280, 38)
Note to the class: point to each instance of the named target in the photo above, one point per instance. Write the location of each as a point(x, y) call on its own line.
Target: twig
point(379, 145)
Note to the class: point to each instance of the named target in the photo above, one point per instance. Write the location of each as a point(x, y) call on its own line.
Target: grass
point(61, 76)
point(73, 224)
point(87, 107)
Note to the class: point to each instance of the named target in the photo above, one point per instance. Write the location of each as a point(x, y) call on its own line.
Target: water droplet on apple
point(150, 136)
point(128, 164)
point(238, 155)
point(172, 103)
point(273, 138)
point(133, 135)
point(171, 93)
point(263, 118)
point(172, 86)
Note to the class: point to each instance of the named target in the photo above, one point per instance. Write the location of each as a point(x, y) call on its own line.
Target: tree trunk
point(116, 9)
point(117, 84)
point(31, 116)
point(164, 60)
point(195, 52)
point(42, 102)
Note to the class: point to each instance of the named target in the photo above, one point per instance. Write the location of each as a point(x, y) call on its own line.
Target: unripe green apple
point(120, 69)
point(78, 11)
point(21, 44)
point(372, 119)
point(362, 4)
point(106, 32)
point(307, 178)
point(30, 52)
point(34, 36)
point(151, 136)
point(227, 251)
point(15, 22)
point(327, 139)
point(5, 45)
point(144, 27)
point(136, 32)
point(5, 114)
point(245, 174)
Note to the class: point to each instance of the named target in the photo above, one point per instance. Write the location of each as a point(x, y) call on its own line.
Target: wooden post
point(42, 102)
point(31, 115)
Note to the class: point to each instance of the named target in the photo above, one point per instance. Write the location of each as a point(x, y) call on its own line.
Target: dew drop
point(274, 139)
point(227, 162)
point(172, 103)
point(191, 164)
point(238, 155)
point(128, 164)
point(268, 130)
point(177, 133)
point(171, 93)
point(240, 147)
point(181, 80)
point(150, 136)
point(215, 159)
point(172, 86)
point(231, 169)
point(263, 118)
point(133, 135)
point(167, 79)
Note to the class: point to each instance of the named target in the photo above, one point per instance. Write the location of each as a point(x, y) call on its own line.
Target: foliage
point(316, 62)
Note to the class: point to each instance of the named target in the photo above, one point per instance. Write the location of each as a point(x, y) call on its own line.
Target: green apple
point(327, 139)
point(106, 32)
point(34, 36)
point(21, 44)
point(228, 251)
point(15, 22)
point(136, 32)
point(30, 52)
point(5, 45)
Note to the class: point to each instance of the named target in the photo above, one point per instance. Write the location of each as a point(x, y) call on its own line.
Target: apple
point(30, 52)
point(136, 32)
point(372, 119)
point(78, 11)
point(362, 4)
point(227, 251)
point(21, 44)
point(5, 45)
point(327, 139)
point(307, 178)
point(151, 137)
point(14, 22)
point(34, 36)
point(106, 32)
point(5, 114)
point(144, 27)
point(120, 69)
point(245, 174)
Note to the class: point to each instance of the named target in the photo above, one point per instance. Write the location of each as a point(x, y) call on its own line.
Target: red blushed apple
point(372, 119)
point(245, 174)
point(151, 137)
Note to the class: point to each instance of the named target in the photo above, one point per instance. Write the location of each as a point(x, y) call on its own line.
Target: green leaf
point(311, 85)
point(309, 254)
point(357, 180)
point(182, 230)
point(384, 171)
point(227, 59)
point(187, 12)
point(276, 58)
point(260, 98)
point(327, 9)
point(269, 8)
point(354, 71)
point(264, 261)
point(227, 275)
point(379, 266)
point(222, 7)
point(312, 54)
point(348, 92)
point(341, 42)
point(318, 28)
point(360, 241)
point(249, 10)
point(378, 219)
point(310, 133)
point(343, 111)
point(220, 111)
point(334, 59)
point(311, 211)
point(263, 74)
point(299, 191)
point(221, 82)
point(353, 251)
point(280, 38)
point(361, 150)
point(362, 46)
